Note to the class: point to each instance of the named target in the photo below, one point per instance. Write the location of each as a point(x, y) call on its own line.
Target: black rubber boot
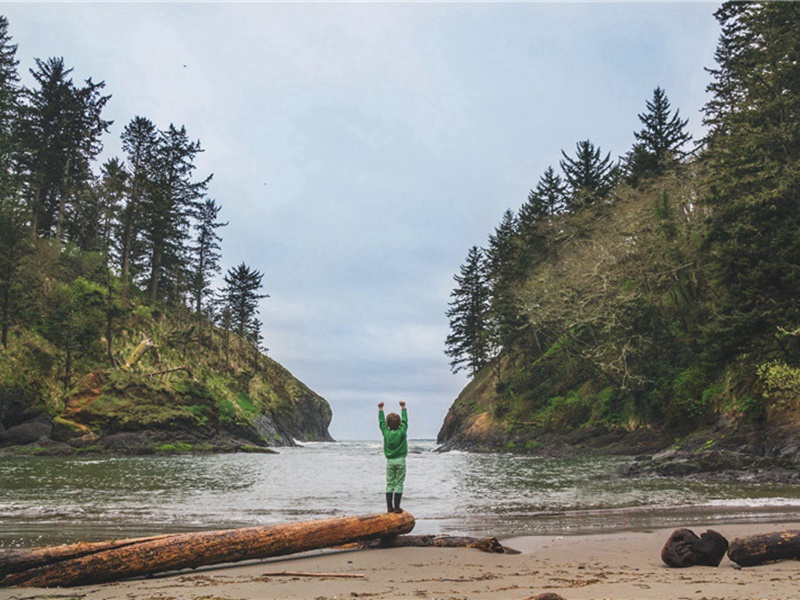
point(397, 498)
point(389, 502)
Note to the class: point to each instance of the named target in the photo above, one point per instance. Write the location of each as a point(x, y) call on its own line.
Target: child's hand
point(402, 404)
point(380, 405)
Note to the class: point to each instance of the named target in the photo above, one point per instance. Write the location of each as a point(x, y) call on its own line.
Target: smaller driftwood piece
point(685, 549)
point(441, 541)
point(755, 550)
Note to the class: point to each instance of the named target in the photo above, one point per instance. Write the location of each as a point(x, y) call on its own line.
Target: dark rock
point(138, 442)
point(26, 433)
point(18, 407)
point(685, 549)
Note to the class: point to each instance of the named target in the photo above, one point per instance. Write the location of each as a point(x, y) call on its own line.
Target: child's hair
point(393, 421)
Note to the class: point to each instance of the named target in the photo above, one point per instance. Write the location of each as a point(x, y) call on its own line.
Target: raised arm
point(381, 418)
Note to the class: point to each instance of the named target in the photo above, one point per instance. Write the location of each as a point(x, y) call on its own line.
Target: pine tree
point(61, 129)
point(754, 150)
point(167, 209)
point(469, 343)
point(503, 270)
point(9, 111)
point(140, 143)
point(93, 219)
point(659, 143)
point(589, 177)
point(240, 298)
point(548, 199)
point(205, 252)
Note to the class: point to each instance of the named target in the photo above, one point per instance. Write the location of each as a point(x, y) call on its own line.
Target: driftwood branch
point(309, 574)
point(442, 541)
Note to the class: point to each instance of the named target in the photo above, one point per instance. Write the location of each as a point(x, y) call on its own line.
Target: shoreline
point(622, 565)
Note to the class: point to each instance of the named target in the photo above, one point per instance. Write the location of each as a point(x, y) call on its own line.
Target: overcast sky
point(360, 149)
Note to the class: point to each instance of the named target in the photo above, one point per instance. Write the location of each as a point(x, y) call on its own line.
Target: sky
point(359, 150)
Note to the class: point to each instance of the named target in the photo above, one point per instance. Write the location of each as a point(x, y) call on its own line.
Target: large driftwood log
point(685, 549)
point(191, 550)
point(442, 541)
point(766, 547)
point(17, 561)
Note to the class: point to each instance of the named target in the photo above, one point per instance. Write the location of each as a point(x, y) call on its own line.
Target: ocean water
point(46, 500)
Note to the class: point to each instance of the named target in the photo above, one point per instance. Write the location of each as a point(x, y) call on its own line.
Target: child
point(395, 447)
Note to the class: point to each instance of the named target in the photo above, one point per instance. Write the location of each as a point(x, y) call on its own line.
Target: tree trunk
point(767, 547)
point(191, 550)
point(62, 204)
point(155, 273)
point(139, 351)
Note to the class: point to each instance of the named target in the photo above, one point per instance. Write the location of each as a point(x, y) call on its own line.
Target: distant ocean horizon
point(46, 500)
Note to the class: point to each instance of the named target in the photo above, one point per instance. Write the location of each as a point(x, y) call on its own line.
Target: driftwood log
point(441, 541)
point(685, 549)
point(112, 561)
point(763, 548)
point(18, 561)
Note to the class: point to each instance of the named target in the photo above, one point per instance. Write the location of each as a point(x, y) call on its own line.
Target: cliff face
point(724, 446)
point(469, 424)
point(132, 411)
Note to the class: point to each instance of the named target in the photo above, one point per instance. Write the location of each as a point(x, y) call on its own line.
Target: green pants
point(395, 475)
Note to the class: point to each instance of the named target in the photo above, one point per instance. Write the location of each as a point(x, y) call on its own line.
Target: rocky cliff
point(205, 408)
point(726, 446)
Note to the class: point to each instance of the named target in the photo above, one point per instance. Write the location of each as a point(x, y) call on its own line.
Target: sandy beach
point(616, 566)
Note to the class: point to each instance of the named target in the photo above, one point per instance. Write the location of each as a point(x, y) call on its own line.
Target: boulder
point(685, 549)
point(26, 433)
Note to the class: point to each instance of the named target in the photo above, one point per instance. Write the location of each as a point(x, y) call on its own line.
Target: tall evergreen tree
point(240, 298)
point(61, 132)
point(503, 270)
point(205, 252)
point(754, 149)
point(167, 211)
point(660, 141)
point(546, 200)
point(94, 218)
point(9, 111)
point(589, 177)
point(140, 144)
point(469, 344)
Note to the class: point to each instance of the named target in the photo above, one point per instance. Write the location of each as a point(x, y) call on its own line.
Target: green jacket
point(395, 444)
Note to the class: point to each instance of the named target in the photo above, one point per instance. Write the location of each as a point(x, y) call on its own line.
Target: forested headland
point(113, 335)
point(630, 303)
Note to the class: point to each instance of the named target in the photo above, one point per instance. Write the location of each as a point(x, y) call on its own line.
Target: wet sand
point(624, 565)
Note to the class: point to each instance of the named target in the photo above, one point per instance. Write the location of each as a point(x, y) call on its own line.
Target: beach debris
point(103, 562)
point(546, 596)
point(758, 549)
point(313, 574)
point(685, 549)
point(442, 541)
